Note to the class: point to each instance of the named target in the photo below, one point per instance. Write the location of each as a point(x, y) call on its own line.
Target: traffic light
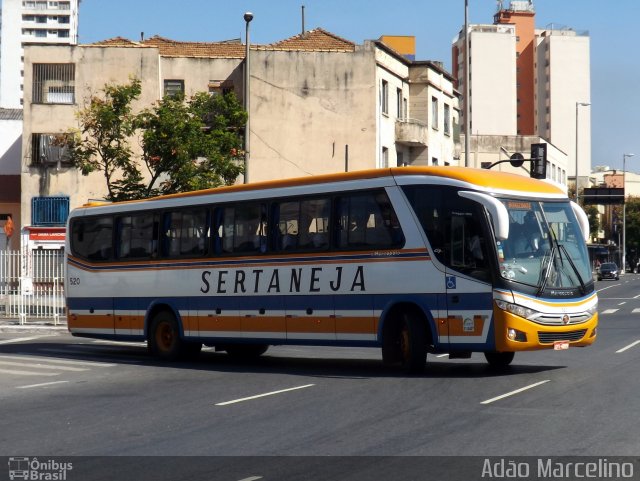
point(538, 161)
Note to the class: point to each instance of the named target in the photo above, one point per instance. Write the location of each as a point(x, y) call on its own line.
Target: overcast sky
point(612, 27)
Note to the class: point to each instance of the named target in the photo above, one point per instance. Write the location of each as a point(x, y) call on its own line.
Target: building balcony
point(411, 132)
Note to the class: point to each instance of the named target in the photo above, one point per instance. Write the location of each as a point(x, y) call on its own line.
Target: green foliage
point(187, 144)
point(594, 219)
point(106, 123)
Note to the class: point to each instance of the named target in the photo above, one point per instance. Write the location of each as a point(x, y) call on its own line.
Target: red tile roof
point(317, 40)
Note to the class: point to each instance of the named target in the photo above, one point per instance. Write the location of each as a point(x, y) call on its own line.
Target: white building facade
point(23, 22)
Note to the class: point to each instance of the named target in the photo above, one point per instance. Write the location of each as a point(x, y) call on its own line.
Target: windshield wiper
point(583, 288)
point(546, 271)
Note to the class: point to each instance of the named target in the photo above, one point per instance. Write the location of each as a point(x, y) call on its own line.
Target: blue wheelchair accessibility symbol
point(451, 282)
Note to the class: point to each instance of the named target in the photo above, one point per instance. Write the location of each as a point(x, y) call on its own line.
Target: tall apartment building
point(28, 22)
point(529, 82)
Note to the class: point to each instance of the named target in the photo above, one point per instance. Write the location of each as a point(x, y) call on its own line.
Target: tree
point(101, 143)
point(186, 144)
point(594, 219)
point(191, 145)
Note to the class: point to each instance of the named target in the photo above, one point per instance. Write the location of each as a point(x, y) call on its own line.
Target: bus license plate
point(561, 345)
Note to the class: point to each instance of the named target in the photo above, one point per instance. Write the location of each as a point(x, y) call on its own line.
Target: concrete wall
point(493, 82)
point(95, 67)
point(306, 107)
point(564, 82)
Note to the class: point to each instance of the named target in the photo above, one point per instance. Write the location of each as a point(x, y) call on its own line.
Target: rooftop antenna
point(302, 19)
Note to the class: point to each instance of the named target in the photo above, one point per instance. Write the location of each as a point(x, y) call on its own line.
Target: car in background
point(608, 270)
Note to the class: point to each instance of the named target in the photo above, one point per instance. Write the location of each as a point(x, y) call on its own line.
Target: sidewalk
point(33, 325)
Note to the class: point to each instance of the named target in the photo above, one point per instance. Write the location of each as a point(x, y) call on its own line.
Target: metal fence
point(32, 285)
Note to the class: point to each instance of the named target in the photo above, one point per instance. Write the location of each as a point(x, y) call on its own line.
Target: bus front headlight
point(517, 309)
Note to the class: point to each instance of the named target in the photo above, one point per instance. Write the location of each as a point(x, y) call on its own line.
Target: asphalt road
point(64, 396)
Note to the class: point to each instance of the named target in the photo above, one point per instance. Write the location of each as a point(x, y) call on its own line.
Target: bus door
point(467, 278)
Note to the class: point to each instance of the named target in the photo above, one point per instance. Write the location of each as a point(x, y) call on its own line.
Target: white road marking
point(64, 361)
point(41, 384)
point(22, 339)
point(635, 343)
point(609, 311)
point(252, 478)
point(119, 343)
point(75, 351)
point(263, 395)
point(39, 365)
point(605, 288)
point(28, 373)
point(622, 303)
point(442, 355)
point(636, 310)
point(517, 391)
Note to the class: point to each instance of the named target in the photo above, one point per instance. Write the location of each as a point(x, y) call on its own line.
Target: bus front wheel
point(499, 359)
point(405, 342)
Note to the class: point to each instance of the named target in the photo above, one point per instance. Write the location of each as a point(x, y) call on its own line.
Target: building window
point(173, 87)
point(434, 113)
point(49, 210)
point(48, 149)
point(54, 83)
point(385, 157)
point(447, 119)
point(220, 87)
point(434, 161)
point(400, 113)
point(384, 97)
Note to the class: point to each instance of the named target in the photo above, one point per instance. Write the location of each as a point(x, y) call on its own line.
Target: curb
point(13, 325)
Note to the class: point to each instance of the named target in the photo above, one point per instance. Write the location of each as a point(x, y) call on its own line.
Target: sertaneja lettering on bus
point(281, 280)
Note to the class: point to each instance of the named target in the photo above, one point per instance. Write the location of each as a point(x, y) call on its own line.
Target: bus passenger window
point(287, 232)
point(91, 238)
point(367, 220)
point(314, 215)
point(185, 233)
point(134, 236)
point(245, 228)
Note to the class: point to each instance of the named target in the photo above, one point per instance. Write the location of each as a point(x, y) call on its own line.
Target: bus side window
point(91, 238)
point(367, 220)
point(288, 215)
point(314, 224)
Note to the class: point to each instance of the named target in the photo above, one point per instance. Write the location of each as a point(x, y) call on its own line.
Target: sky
point(612, 27)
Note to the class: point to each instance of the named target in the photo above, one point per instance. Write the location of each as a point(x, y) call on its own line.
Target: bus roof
point(482, 178)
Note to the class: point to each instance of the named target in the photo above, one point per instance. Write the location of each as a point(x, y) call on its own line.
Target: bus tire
point(164, 337)
point(405, 342)
point(246, 351)
point(499, 360)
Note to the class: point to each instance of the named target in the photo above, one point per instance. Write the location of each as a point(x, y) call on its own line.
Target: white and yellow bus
point(411, 260)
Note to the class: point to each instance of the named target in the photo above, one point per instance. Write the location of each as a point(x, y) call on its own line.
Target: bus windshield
point(544, 248)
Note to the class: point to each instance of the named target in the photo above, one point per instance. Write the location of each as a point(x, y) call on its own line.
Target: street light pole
point(467, 88)
point(248, 16)
point(578, 104)
point(624, 212)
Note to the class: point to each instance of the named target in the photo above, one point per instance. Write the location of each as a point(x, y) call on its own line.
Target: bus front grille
point(551, 337)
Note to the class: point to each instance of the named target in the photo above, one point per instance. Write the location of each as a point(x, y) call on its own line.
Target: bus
point(411, 260)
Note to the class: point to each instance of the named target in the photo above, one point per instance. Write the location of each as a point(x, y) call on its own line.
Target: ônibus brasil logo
point(33, 469)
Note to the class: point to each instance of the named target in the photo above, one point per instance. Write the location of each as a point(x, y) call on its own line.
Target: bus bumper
point(514, 333)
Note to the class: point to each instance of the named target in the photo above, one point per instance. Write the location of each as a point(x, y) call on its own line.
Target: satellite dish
point(516, 159)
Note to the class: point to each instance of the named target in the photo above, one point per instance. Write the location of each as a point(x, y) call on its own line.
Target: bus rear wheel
point(405, 342)
point(164, 339)
point(499, 359)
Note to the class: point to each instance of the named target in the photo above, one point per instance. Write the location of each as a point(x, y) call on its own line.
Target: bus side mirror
point(496, 208)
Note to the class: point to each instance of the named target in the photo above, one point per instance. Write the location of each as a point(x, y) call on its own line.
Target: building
point(24, 22)
point(530, 82)
point(319, 104)
point(31, 22)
